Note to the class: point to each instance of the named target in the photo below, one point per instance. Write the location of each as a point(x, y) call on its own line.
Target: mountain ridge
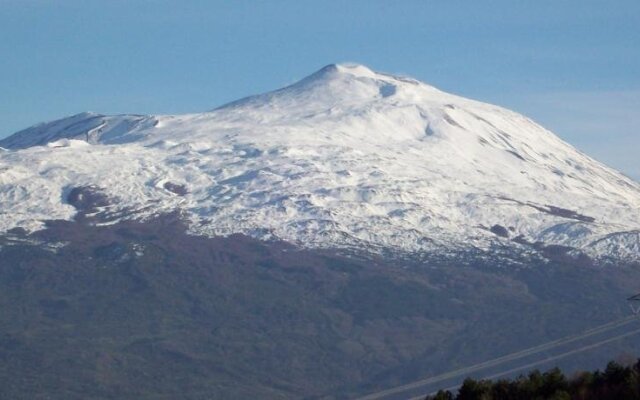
point(346, 157)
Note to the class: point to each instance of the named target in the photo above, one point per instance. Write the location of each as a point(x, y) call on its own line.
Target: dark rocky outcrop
point(500, 231)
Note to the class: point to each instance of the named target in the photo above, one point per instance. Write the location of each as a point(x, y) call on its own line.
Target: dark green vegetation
point(146, 311)
point(616, 382)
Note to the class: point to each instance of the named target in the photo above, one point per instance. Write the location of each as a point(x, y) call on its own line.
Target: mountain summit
point(345, 158)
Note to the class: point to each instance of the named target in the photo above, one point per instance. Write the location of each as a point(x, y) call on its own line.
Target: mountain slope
point(346, 158)
point(146, 311)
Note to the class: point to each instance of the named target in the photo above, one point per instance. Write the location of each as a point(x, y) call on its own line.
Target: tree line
point(615, 382)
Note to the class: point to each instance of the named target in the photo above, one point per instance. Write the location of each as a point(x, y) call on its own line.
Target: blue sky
point(574, 66)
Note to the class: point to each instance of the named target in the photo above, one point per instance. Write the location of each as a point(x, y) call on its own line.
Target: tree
point(475, 390)
point(553, 381)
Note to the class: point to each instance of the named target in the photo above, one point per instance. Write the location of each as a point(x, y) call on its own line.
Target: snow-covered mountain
point(346, 158)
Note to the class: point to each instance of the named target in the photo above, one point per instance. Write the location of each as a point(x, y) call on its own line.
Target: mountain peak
point(353, 69)
point(347, 72)
point(345, 85)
